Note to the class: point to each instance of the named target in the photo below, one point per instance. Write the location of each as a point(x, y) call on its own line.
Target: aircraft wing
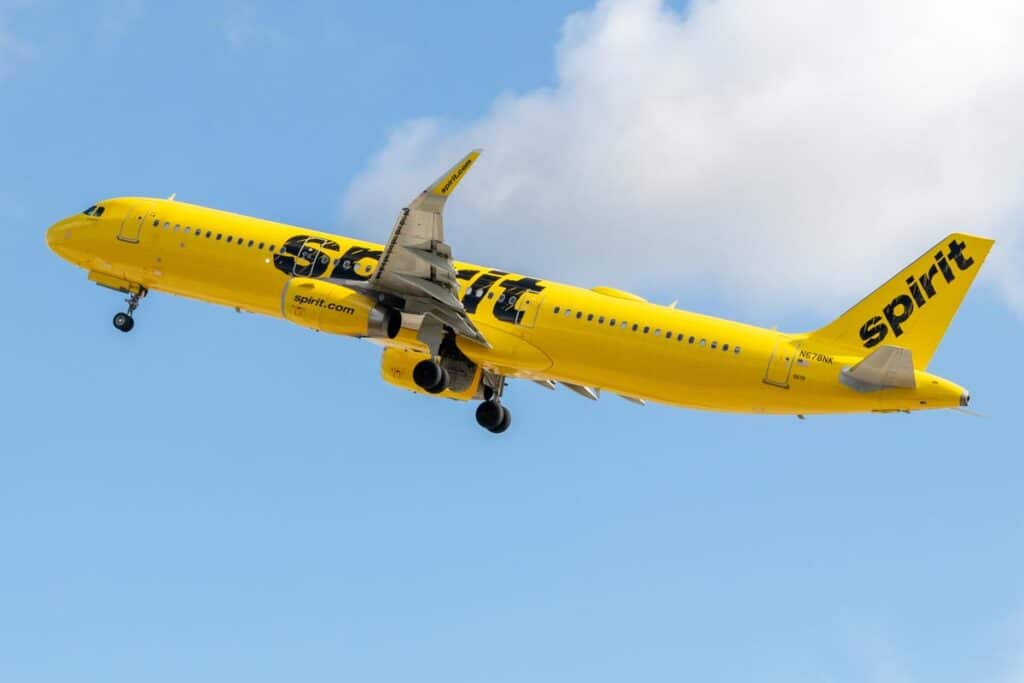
point(417, 263)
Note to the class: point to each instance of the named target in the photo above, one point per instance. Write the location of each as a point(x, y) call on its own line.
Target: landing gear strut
point(430, 376)
point(124, 321)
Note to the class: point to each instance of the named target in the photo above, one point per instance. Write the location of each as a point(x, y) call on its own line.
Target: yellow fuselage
point(561, 332)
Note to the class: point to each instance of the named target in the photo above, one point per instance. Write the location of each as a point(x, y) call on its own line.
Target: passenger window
point(600, 320)
point(209, 234)
point(725, 347)
point(692, 339)
point(579, 314)
point(156, 222)
point(736, 350)
point(624, 324)
point(635, 327)
point(646, 329)
point(251, 243)
point(188, 230)
point(490, 295)
point(228, 239)
point(590, 316)
point(679, 337)
point(714, 345)
point(177, 226)
point(272, 247)
point(557, 309)
point(703, 342)
point(657, 332)
point(167, 225)
point(262, 243)
point(568, 312)
point(219, 235)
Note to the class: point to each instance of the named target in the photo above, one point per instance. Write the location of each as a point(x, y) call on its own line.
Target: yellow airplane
point(458, 330)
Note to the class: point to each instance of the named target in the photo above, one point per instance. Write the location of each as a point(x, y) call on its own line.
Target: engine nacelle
point(336, 309)
point(396, 366)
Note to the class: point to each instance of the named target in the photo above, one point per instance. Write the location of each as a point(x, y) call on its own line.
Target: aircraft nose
point(965, 398)
point(57, 235)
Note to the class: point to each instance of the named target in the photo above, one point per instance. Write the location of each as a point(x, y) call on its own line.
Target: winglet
point(444, 185)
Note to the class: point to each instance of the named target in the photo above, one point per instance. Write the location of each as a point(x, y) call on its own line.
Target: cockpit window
point(94, 210)
point(90, 210)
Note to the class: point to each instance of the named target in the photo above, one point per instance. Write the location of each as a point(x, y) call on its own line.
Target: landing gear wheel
point(124, 322)
point(430, 377)
point(506, 421)
point(493, 416)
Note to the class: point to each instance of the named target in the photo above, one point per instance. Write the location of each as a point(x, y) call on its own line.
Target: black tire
point(506, 421)
point(442, 383)
point(489, 415)
point(427, 374)
point(124, 322)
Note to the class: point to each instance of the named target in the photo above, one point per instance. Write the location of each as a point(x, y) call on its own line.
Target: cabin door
point(781, 363)
point(131, 226)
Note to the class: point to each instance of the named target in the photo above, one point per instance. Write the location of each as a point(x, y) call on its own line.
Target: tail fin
point(914, 308)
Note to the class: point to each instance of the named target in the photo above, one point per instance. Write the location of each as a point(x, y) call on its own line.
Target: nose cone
point(58, 236)
point(52, 237)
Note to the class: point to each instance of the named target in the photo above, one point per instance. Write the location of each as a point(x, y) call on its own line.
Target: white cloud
point(243, 29)
point(793, 153)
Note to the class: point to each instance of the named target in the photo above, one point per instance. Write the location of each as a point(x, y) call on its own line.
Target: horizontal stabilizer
point(888, 367)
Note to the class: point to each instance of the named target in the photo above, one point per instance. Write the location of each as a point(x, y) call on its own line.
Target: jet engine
point(336, 309)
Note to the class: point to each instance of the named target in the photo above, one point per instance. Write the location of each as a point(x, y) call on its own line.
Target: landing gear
point(493, 416)
point(124, 321)
point(430, 377)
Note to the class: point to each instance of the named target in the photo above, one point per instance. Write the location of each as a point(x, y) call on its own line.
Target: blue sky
point(224, 496)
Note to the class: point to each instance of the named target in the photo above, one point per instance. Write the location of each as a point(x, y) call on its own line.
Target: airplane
point(460, 331)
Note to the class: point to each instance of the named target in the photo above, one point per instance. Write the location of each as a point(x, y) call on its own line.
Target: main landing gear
point(491, 414)
point(124, 321)
point(432, 378)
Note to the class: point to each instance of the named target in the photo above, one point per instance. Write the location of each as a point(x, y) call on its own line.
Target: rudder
point(914, 308)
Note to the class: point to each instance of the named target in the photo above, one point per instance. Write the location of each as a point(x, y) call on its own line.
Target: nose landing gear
point(430, 376)
point(124, 321)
